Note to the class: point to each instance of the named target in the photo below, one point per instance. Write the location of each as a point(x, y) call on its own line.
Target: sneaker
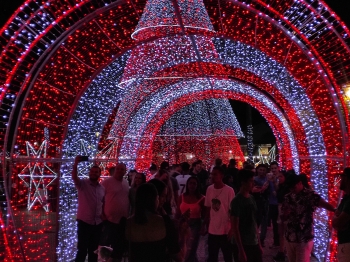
point(280, 257)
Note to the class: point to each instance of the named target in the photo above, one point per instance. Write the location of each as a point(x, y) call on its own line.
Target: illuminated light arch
point(271, 7)
point(233, 59)
point(18, 59)
point(139, 126)
point(236, 55)
point(278, 127)
point(78, 131)
point(206, 130)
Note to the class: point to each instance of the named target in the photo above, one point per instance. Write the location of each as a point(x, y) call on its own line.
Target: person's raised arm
point(75, 177)
point(324, 204)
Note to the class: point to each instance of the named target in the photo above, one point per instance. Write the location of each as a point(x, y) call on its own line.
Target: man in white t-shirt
point(182, 179)
point(116, 210)
point(217, 201)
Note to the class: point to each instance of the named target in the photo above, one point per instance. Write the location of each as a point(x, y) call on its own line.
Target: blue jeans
point(192, 243)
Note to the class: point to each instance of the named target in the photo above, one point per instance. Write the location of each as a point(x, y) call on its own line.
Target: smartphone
point(84, 158)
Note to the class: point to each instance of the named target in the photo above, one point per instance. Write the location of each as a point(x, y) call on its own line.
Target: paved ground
point(267, 256)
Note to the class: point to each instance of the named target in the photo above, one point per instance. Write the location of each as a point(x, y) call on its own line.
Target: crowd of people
point(160, 216)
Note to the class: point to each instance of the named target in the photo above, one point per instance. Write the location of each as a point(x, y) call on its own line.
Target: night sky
point(262, 133)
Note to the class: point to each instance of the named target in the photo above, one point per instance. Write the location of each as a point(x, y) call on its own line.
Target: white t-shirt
point(116, 199)
point(182, 180)
point(219, 202)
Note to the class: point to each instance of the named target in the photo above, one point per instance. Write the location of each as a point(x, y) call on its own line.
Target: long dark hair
point(304, 180)
point(143, 177)
point(198, 190)
point(145, 201)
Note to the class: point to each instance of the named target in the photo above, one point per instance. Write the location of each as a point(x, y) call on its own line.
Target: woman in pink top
point(191, 206)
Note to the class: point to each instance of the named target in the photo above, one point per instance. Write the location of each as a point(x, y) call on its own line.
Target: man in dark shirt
point(260, 193)
point(297, 209)
point(232, 171)
point(243, 221)
point(341, 220)
point(282, 190)
point(201, 174)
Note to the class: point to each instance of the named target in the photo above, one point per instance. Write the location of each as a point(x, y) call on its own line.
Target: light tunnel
point(61, 67)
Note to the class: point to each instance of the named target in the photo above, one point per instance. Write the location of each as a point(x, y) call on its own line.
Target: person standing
point(170, 204)
point(261, 194)
point(341, 220)
point(139, 179)
point(174, 184)
point(173, 246)
point(297, 210)
point(192, 201)
point(273, 203)
point(153, 171)
point(90, 201)
point(116, 210)
point(282, 190)
point(130, 177)
point(244, 229)
point(202, 175)
point(232, 171)
point(182, 179)
point(217, 201)
point(149, 234)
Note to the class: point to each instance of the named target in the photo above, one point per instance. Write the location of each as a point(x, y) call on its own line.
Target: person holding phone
point(89, 216)
point(191, 207)
point(341, 219)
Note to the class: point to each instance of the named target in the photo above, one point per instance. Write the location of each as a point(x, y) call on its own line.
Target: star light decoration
point(40, 176)
point(271, 156)
point(84, 148)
